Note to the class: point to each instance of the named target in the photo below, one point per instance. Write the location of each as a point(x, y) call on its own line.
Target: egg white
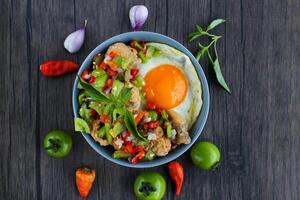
point(190, 107)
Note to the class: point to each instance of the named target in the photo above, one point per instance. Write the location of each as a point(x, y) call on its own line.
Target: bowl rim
point(197, 126)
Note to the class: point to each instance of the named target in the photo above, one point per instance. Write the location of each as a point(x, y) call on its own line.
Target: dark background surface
point(257, 127)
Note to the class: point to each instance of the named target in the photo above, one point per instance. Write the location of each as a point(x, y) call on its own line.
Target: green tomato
point(149, 186)
point(205, 155)
point(58, 144)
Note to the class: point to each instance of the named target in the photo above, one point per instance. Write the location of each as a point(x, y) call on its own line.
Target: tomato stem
point(54, 145)
point(86, 169)
point(146, 188)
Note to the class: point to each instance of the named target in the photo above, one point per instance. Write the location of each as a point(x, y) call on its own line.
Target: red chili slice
point(112, 54)
point(158, 110)
point(109, 83)
point(138, 157)
point(104, 119)
point(92, 79)
point(85, 75)
point(111, 72)
point(134, 72)
point(137, 149)
point(151, 106)
point(128, 148)
point(103, 66)
point(154, 124)
point(145, 126)
point(125, 134)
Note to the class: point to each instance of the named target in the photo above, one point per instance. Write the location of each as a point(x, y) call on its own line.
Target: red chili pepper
point(137, 149)
point(151, 106)
point(109, 83)
point(125, 134)
point(128, 148)
point(158, 110)
point(84, 180)
point(103, 66)
point(145, 126)
point(138, 157)
point(154, 124)
point(58, 67)
point(112, 65)
point(176, 173)
point(134, 72)
point(104, 119)
point(85, 75)
point(139, 116)
point(112, 54)
point(92, 79)
point(136, 45)
point(111, 72)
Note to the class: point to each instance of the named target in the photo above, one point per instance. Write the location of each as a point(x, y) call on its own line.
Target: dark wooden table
point(257, 127)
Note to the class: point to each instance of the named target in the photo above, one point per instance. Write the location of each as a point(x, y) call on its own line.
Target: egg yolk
point(166, 86)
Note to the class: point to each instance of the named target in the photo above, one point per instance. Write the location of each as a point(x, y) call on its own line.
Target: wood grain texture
point(257, 127)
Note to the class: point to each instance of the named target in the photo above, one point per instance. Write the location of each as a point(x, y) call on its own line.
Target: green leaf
point(199, 28)
point(125, 95)
point(95, 94)
point(194, 36)
point(219, 75)
point(81, 125)
point(200, 53)
point(215, 23)
point(131, 126)
point(108, 108)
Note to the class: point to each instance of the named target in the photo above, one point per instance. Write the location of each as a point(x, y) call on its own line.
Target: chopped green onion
point(98, 72)
point(117, 87)
point(150, 155)
point(84, 112)
point(121, 154)
point(118, 128)
point(153, 115)
point(150, 51)
point(139, 81)
point(142, 57)
point(169, 129)
point(164, 115)
point(109, 138)
point(81, 98)
point(101, 132)
point(97, 107)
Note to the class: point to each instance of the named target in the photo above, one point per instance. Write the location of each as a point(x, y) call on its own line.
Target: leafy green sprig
point(115, 103)
point(205, 50)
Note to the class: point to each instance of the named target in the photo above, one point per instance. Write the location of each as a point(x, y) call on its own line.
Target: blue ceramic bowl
point(195, 131)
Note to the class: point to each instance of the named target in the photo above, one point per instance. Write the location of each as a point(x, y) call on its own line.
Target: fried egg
point(171, 82)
